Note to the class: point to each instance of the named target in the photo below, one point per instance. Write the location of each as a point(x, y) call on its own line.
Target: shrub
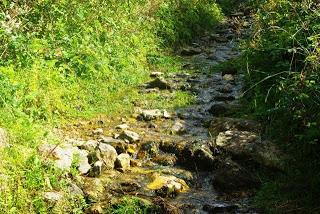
point(284, 66)
point(282, 78)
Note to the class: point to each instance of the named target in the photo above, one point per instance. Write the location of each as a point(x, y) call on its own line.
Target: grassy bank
point(282, 72)
point(67, 60)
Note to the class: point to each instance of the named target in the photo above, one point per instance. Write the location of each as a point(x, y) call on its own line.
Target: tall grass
point(282, 77)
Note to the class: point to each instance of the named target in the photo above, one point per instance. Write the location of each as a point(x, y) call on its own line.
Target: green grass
point(65, 61)
point(133, 205)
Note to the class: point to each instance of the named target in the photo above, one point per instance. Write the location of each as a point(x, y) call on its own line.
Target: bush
point(284, 60)
point(180, 21)
point(283, 57)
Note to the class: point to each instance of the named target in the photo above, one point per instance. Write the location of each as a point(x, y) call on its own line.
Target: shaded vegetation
point(283, 89)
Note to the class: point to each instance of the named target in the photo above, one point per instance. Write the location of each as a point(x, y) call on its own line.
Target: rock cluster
point(92, 157)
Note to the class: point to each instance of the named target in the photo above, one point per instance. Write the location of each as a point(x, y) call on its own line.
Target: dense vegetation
point(283, 88)
point(62, 61)
point(65, 60)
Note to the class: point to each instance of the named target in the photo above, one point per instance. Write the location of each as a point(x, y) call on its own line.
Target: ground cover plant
point(67, 60)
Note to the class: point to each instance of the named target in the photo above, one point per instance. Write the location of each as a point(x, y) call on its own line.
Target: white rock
point(178, 127)
point(154, 114)
point(96, 169)
point(129, 136)
point(108, 154)
point(123, 161)
point(90, 145)
point(83, 165)
point(122, 126)
point(98, 131)
point(52, 196)
point(63, 156)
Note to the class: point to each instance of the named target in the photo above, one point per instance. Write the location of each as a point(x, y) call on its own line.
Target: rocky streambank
point(197, 159)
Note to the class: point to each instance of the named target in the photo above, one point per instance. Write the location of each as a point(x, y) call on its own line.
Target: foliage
point(286, 35)
point(65, 60)
point(228, 6)
point(133, 205)
point(282, 78)
point(180, 21)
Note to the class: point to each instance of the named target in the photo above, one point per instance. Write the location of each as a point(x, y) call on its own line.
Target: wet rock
point(190, 51)
point(123, 162)
point(218, 38)
point(183, 174)
point(130, 186)
point(53, 196)
point(223, 109)
point(224, 97)
point(232, 178)
point(218, 109)
point(227, 88)
point(180, 149)
point(167, 186)
point(239, 143)
point(108, 154)
point(90, 145)
point(154, 114)
point(3, 138)
point(222, 124)
point(228, 77)
point(151, 148)
point(165, 159)
point(203, 158)
point(122, 126)
point(193, 80)
point(156, 74)
point(168, 208)
point(178, 128)
point(120, 145)
point(159, 83)
point(129, 136)
point(229, 70)
point(96, 169)
point(219, 208)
